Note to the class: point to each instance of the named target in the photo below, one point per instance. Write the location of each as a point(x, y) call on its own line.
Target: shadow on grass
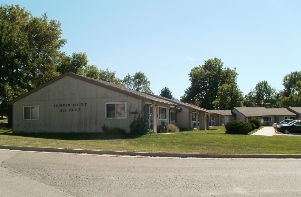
point(73, 136)
point(4, 125)
point(294, 134)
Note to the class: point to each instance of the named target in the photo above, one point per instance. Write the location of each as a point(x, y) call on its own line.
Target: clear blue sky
point(165, 39)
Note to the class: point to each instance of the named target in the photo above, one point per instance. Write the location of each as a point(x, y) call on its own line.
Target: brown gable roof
point(111, 86)
point(222, 112)
point(296, 110)
point(278, 112)
point(178, 103)
point(251, 111)
point(262, 111)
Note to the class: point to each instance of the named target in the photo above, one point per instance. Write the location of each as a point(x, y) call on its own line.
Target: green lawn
point(203, 142)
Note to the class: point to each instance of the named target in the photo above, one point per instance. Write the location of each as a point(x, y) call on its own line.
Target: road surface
point(65, 175)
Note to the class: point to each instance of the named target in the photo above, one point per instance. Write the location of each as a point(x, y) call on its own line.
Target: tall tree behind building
point(205, 82)
point(263, 95)
point(138, 82)
point(291, 94)
point(165, 92)
point(29, 51)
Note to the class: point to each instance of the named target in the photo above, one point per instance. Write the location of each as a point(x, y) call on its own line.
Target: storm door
point(148, 115)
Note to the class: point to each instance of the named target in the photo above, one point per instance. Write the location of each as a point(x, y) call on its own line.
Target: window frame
point(159, 110)
point(31, 107)
point(116, 103)
point(268, 117)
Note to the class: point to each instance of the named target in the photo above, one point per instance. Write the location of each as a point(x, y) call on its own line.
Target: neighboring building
point(220, 117)
point(267, 116)
point(296, 110)
point(246, 113)
point(74, 103)
point(275, 115)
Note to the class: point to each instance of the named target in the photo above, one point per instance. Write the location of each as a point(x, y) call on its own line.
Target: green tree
point(228, 97)
point(74, 64)
point(165, 92)
point(291, 94)
point(292, 100)
point(205, 81)
point(29, 51)
point(262, 95)
point(249, 100)
point(138, 82)
point(108, 76)
point(92, 72)
point(290, 83)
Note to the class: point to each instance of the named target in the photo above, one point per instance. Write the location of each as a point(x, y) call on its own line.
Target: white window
point(162, 113)
point(193, 116)
point(267, 119)
point(116, 110)
point(31, 112)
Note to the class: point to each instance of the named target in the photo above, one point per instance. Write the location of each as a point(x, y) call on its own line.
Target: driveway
point(265, 131)
point(269, 131)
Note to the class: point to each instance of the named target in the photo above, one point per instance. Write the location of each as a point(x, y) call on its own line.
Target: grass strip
point(202, 142)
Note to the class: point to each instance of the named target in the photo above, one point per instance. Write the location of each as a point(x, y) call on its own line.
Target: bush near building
point(255, 123)
point(138, 126)
point(238, 127)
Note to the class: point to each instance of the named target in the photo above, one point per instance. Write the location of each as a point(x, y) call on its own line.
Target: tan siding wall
point(183, 118)
point(239, 116)
point(84, 105)
point(202, 118)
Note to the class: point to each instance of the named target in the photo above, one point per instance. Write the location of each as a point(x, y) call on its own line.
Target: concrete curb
point(148, 154)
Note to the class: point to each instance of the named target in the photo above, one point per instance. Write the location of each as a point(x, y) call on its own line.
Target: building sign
point(70, 107)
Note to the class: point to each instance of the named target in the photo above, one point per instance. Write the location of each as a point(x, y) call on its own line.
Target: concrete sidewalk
point(265, 131)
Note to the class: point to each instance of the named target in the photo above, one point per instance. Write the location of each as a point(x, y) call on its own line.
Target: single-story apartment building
point(74, 103)
point(220, 117)
point(267, 116)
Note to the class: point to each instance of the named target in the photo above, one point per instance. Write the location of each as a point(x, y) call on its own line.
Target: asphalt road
point(61, 174)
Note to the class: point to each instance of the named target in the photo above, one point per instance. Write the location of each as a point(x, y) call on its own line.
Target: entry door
point(172, 117)
point(226, 120)
point(148, 115)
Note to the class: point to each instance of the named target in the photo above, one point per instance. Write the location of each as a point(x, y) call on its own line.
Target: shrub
point(138, 126)
point(172, 128)
point(162, 129)
point(238, 127)
point(256, 122)
point(253, 126)
point(106, 130)
point(184, 129)
point(117, 130)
